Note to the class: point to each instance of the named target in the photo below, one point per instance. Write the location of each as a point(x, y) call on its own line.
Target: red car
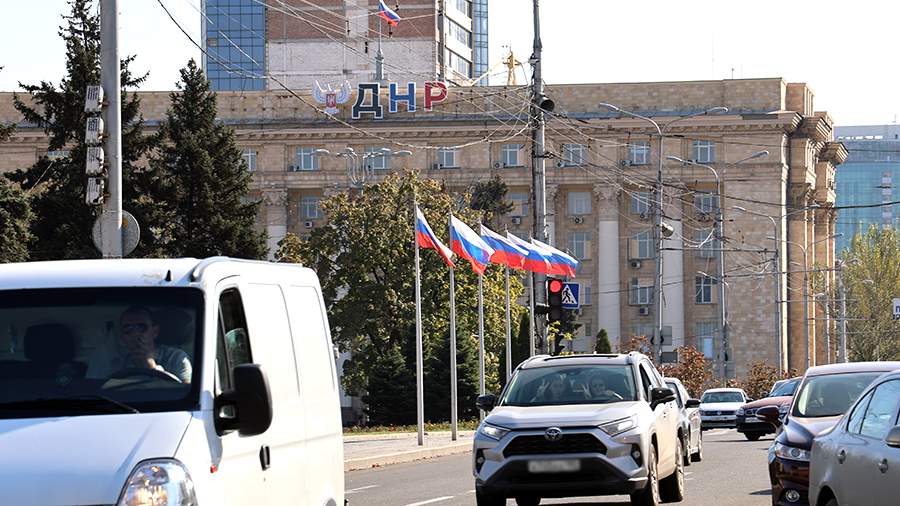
point(780, 396)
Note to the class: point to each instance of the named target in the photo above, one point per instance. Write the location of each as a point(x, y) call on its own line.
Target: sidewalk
point(365, 451)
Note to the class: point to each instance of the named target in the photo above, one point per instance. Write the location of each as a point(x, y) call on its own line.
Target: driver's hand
point(144, 352)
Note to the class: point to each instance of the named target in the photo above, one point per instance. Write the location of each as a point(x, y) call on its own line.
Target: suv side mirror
point(769, 414)
point(248, 408)
point(692, 403)
point(661, 395)
point(486, 402)
point(893, 437)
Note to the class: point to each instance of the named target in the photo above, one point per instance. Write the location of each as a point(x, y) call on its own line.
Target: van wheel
point(649, 495)
point(482, 499)
point(698, 455)
point(671, 489)
point(528, 500)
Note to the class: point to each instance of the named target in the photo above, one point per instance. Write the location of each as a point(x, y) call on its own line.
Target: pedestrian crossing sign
point(570, 293)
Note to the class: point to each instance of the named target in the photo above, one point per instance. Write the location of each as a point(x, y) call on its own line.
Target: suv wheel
point(752, 436)
point(482, 499)
point(698, 455)
point(671, 489)
point(649, 495)
point(528, 500)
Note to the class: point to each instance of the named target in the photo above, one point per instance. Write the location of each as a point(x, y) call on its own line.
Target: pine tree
point(198, 171)
point(388, 400)
point(15, 215)
point(602, 345)
point(437, 380)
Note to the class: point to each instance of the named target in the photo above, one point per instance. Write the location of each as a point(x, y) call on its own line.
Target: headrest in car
point(49, 343)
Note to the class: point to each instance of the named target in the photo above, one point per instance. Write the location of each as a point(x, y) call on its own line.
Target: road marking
point(360, 489)
point(436, 499)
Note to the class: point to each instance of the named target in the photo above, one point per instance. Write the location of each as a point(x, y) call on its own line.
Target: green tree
point(15, 216)
point(198, 171)
point(289, 249)
point(62, 220)
point(602, 345)
point(490, 196)
point(561, 333)
point(437, 379)
point(872, 275)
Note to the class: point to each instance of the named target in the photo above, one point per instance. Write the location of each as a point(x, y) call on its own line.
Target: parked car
point(691, 432)
point(155, 381)
point(824, 395)
point(718, 407)
point(780, 396)
point(858, 462)
point(580, 425)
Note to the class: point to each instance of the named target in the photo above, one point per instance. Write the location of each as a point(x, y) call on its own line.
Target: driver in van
point(137, 334)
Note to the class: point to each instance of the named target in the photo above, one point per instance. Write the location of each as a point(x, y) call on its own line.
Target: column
point(607, 281)
point(673, 278)
point(275, 211)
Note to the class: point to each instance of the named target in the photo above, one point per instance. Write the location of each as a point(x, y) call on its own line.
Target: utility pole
point(111, 237)
point(842, 330)
point(537, 167)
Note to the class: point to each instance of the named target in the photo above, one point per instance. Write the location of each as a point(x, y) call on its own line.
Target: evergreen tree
point(437, 380)
point(390, 398)
point(490, 197)
point(602, 345)
point(62, 220)
point(198, 171)
point(15, 216)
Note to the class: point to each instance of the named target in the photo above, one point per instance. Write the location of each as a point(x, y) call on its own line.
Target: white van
point(166, 382)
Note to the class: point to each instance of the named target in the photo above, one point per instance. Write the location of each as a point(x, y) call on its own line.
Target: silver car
point(858, 462)
point(689, 411)
point(580, 425)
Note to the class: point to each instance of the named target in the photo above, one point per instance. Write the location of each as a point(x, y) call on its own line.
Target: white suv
point(580, 425)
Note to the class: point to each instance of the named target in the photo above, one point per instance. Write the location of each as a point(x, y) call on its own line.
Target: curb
point(456, 448)
point(389, 436)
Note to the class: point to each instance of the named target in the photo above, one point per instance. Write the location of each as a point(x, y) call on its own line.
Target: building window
point(519, 202)
point(639, 153)
point(574, 154)
point(458, 63)
point(309, 208)
point(707, 203)
point(586, 296)
point(640, 203)
point(704, 151)
point(509, 155)
point(579, 203)
point(642, 245)
point(249, 156)
point(464, 6)
point(707, 244)
point(706, 333)
point(446, 158)
point(580, 245)
point(377, 159)
point(459, 33)
point(305, 159)
point(704, 289)
point(640, 292)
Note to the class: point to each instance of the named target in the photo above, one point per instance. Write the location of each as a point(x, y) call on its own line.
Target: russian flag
point(505, 252)
point(426, 239)
point(469, 245)
point(560, 262)
point(388, 14)
point(536, 260)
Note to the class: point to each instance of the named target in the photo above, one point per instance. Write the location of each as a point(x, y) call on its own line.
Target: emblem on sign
point(553, 434)
point(331, 97)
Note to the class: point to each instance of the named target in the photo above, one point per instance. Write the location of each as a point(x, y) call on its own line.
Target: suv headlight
point(740, 412)
point(493, 432)
point(619, 426)
point(791, 452)
point(163, 482)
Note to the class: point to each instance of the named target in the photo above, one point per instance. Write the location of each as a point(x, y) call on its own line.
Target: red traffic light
point(555, 286)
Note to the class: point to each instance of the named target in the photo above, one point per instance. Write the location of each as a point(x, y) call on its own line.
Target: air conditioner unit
point(309, 224)
point(560, 164)
point(498, 165)
point(517, 220)
point(625, 163)
point(578, 219)
point(644, 310)
point(93, 99)
point(93, 131)
point(94, 163)
point(635, 264)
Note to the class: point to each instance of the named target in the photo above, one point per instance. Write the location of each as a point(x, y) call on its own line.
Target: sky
point(841, 49)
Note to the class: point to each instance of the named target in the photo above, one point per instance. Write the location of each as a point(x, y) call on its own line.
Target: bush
point(602, 345)
point(692, 369)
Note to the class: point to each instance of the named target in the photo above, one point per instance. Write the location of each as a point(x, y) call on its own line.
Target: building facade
point(601, 170)
point(235, 40)
point(869, 176)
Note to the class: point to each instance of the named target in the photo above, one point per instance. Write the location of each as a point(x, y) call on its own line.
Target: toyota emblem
point(553, 434)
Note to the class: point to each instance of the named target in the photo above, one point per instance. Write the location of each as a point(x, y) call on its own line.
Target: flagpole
point(453, 400)
point(420, 387)
point(531, 343)
point(508, 332)
point(481, 337)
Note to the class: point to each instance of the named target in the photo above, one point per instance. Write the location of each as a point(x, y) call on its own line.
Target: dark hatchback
point(823, 396)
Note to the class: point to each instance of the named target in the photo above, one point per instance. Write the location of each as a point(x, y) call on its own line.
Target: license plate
point(717, 419)
point(554, 466)
point(752, 419)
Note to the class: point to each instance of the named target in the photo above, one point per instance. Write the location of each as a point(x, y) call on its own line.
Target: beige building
point(599, 179)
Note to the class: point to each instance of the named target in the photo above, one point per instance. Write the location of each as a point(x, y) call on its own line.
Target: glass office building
point(869, 176)
point(236, 42)
point(480, 42)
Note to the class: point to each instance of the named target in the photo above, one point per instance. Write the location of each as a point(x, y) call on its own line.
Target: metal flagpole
point(531, 325)
point(508, 331)
point(481, 336)
point(453, 402)
point(420, 387)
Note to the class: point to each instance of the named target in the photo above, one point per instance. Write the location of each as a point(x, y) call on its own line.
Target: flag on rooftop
point(388, 14)
point(426, 239)
point(469, 245)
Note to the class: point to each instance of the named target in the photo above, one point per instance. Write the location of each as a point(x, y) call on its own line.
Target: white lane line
point(471, 491)
point(360, 489)
point(436, 499)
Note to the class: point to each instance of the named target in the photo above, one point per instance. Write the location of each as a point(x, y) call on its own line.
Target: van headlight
point(619, 426)
point(493, 432)
point(163, 482)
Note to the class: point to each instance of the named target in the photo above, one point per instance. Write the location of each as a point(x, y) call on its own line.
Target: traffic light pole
point(537, 167)
point(110, 80)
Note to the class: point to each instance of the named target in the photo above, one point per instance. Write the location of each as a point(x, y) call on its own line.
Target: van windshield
point(543, 386)
point(84, 351)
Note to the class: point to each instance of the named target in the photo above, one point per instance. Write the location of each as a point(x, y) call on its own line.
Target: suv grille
point(569, 443)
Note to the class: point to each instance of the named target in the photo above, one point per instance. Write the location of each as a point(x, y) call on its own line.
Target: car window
point(710, 397)
point(830, 395)
point(570, 384)
point(233, 347)
point(674, 387)
point(854, 422)
point(784, 388)
point(877, 420)
point(645, 382)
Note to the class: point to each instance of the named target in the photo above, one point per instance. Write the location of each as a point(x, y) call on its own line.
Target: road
point(733, 473)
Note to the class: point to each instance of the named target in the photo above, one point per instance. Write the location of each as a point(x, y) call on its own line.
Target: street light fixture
point(359, 171)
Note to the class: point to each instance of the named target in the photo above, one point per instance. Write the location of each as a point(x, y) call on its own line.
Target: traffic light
point(554, 300)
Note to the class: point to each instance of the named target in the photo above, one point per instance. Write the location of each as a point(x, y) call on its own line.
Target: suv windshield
point(80, 351)
point(786, 388)
point(722, 397)
point(592, 384)
point(831, 395)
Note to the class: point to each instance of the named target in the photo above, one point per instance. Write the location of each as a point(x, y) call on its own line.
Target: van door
point(285, 450)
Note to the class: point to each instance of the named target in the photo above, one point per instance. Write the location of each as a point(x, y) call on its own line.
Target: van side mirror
point(486, 402)
point(248, 408)
point(692, 403)
point(769, 414)
point(893, 437)
point(660, 396)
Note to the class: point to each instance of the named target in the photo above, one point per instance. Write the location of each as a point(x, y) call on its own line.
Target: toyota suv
point(580, 425)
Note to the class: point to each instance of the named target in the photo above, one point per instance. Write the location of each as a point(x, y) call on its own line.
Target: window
point(704, 152)
point(376, 159)
point(574, 154)
point(639, 153)
point(706, 333)
point(707, 203)
point(234, 342)
point(519, 202)
point(509, 155)
point(458, 63)
point(645, 381)
point(446, 157)
point(306, 159)
point(463, 6)
point(579, 203)
point(879, 417)
point(309, 208)
point(707, 243)
point(459, 33)
point(640, 203)
point(580, 245)
point(642, 246)
point(249, 156)
point(587, 298)
point(854, 422)
point(704, 289)
point(640, 292)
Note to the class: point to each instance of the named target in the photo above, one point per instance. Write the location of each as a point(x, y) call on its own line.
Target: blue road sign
point(570, 295)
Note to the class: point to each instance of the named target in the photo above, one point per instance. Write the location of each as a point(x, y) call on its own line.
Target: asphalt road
point(733, 473)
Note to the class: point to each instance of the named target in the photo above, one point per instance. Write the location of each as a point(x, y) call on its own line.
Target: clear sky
point(843, 50)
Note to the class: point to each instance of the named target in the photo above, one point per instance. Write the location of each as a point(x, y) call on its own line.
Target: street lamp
point(661, 133)
point(359, 170)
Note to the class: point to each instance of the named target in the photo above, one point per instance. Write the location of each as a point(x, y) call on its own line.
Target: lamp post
point(359, 169)
point(660, 133)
